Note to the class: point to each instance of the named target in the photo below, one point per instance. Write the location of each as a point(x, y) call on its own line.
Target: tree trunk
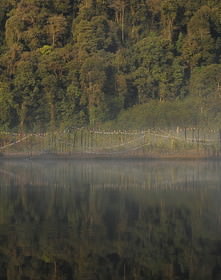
point(22, 116)
point(52, 110)
point(122, 23)
point(52, 113)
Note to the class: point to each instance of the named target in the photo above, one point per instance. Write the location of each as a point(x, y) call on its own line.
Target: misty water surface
point(110, 220)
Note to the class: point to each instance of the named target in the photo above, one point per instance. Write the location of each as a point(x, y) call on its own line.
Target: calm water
point(110, 220)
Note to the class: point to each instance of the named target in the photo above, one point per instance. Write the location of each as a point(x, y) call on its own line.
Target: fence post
point(220, 140)
point(193, 135)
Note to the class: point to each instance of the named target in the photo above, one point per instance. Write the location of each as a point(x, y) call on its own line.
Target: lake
point(110, 220)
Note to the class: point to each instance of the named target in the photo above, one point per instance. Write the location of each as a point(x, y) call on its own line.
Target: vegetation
point(75, 63)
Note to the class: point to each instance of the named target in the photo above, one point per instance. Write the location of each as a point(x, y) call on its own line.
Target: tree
point(120, 8)
point(26, 24)
point(205, 84)
point(169, 13)
point(26, 90)
point(206, 81)
point(154, 7)
point(92, 82)
point(7, 105)
point(155, 71)
point(57, 29)
point(198, 47)
point(10, 58)
point(94, 35)
point(53, 73)
point(4, 10)
point(95, 76)
point(14, 27)
point(73, 107)
point(63, 7)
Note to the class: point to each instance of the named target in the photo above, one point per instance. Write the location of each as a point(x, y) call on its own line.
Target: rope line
point(193, 140)
point(111, 147)
point(118, 152)
point(122, 147)
point(146, 132)
point(16, 142)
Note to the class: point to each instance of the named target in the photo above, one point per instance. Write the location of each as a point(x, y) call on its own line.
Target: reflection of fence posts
point(193, 134)
point(219, 140)
point(198, 139)
point(31, 145)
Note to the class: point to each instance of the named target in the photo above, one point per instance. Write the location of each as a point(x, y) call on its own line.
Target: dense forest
point(85, 62)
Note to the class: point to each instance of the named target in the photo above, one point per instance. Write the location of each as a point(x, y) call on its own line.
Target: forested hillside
point(82, 62)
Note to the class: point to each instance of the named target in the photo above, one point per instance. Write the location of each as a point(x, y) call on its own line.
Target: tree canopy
point(83, 62)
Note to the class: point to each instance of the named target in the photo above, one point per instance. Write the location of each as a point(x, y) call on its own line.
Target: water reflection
point(110, 220)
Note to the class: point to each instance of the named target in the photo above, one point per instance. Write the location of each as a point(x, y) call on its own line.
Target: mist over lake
point(110, 219)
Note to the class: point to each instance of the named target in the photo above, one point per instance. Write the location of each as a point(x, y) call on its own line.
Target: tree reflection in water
point(110, 220)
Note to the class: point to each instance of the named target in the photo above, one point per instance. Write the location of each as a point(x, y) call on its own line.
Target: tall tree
point(53, 73)
point(199, 45)
point(27, 91)
point(119, 7)
point(57, 27)
point(169, 14)
point(7, 105)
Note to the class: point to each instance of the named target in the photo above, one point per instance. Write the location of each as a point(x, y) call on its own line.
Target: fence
point(152, 142)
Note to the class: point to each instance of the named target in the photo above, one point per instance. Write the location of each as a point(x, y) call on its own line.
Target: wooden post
point(219, 140)
point(31, 145)
point(193, 134)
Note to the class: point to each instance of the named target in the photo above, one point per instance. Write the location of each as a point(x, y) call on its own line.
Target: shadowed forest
point(88, 62)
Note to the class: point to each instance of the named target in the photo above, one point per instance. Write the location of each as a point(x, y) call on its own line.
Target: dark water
point(110, 220)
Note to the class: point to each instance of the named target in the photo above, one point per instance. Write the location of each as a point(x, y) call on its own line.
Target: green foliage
point(6, 105)
point(73, 108)
point(46, 50)
point(161, 114)
point(56, 29)
point(84, 61)
point(159, 74)
point(206, 81)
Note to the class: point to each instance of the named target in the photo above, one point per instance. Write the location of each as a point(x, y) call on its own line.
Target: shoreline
point(86, 156)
